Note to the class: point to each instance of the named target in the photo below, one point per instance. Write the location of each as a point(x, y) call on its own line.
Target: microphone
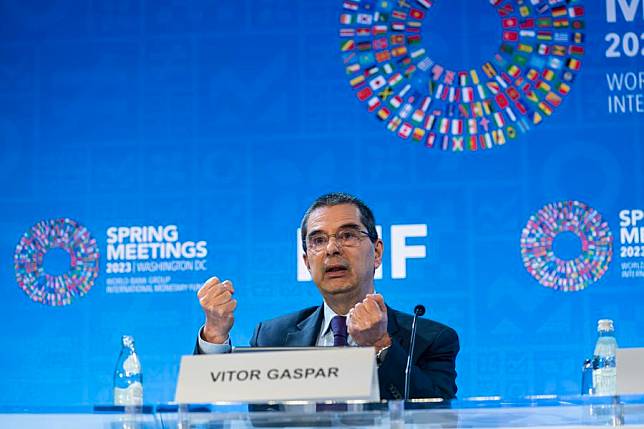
point(419, 310)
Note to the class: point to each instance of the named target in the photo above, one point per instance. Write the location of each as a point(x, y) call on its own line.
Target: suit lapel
point(306, 332)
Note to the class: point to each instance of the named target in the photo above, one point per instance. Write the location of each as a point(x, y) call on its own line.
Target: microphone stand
point(419, 310)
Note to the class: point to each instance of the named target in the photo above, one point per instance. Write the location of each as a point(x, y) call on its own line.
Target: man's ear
point(379, 248)
point(306, 261)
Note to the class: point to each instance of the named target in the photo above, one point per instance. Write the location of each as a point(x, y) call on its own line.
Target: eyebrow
point(345, 226)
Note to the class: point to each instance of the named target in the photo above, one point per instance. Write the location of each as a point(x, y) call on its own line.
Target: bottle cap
point(604, 325)
point(127, 340)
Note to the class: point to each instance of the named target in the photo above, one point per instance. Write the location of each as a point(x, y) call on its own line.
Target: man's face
point(339, 269)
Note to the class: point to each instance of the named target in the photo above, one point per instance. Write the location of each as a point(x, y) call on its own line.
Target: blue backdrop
point(216, 124)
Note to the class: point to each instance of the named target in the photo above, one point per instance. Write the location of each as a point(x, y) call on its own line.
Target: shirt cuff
point(211, 348)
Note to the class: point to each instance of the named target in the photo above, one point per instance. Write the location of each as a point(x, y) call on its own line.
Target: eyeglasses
point(348, 237)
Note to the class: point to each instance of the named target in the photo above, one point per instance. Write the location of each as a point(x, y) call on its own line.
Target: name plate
point(326, 373)
point(630, 371)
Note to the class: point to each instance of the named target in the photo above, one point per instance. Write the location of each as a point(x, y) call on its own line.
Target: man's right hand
point(217, 302)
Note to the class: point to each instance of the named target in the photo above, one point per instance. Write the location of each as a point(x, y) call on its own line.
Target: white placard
point(630, 371)
point(328, 373)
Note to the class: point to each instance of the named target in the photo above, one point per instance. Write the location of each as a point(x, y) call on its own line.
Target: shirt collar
point(328, 315)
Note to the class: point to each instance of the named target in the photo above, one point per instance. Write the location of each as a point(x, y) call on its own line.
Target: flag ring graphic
point(62, 289)
point(393, 74)
point(560, 274)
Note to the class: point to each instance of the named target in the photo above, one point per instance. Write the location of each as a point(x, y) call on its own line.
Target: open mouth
point(336, 270)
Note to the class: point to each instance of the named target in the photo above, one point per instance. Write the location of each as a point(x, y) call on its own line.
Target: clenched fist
point(217, 302)
point(367, 322)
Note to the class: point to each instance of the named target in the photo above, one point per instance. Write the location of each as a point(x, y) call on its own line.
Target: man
point(342, 252)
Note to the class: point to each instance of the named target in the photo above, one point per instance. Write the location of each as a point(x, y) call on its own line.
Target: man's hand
point(367, 322)
point(217, 302)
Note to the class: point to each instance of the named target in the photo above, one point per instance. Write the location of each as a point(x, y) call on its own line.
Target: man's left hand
point(367, 322)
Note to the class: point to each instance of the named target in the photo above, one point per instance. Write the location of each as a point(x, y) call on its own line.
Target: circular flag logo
point(544, 227)
point(393, 74)
point(56, 289)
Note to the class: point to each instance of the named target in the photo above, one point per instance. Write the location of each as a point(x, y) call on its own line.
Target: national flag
point(477, 110)
point(468, 94)
point(510, 36)
point(380, 43)
point(364, 18)
point(424, 3)
point(578, 24)
point(489, 70)
point(370, 71)
point(411, 40)
point(528, 34)
point(431, 139)
point(536, 118)
point(514, 71)
point(366, 59)
point(501, 101)
point(544, 35)
point(363, 32)
point(395, 79)
point(383, 113)
point(472, 126)
point(414, 26)
point(510, 113)
point(457, 127)
point(418, 134)
point(383, 56)
point(493, 87)
point(352, 68)
point(505, 10)
point(544, 22)
point(399, 14)
point(387, 68)
point(568, 76)
point(394, 123)
point(367, 5)
point(522, 47)
point(543, 86)
point(563, 88)
point(576, 50)
point(532, 74)
point(498, 119)
point(364, 93)
point(558, 11)
point(399, 51)
point(487, 106)
point(545, 108)
point(443, 127)
point(350, 5)
point(457, 144)
point(385, 93)
point(346, 18)
point(481, 91)
point(417, 53)
point(449, 77)
point(543, 49)
point(548, 74)
point(397, 39)
point(509, 22)
point(357, 81)
point(347, 45)
point(397, 26)
point(364, 46)
point(560, 23)
point(418, 116)
point(405, 111)
point(405, 130)
point(453, 94)
point(416, 14)
point(475, 77)
point(462, 78)
point(553, 99)
point(377, 83)
point(576, 11)
point(396, 101)
point(578, 37)
point(429, 122)
point(347, 32)
point(472, 142)
point(377, 30)
point(486, 141)
point(558, 50)
point(524, 11)
point(498, 137)
point(526, 23)
point(554, 63)
point(373, 103)
point(573, 64)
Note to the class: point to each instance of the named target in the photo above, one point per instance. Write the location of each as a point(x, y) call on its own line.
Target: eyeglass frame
point(338, 243)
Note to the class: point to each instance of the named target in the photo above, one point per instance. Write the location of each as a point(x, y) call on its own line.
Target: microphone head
point(419, 310)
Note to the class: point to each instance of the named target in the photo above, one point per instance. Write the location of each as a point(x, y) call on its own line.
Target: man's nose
point(332, 247)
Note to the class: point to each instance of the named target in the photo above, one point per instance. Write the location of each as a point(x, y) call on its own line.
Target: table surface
point(545, 411)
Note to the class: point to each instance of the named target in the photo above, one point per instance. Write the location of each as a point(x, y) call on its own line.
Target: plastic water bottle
point(604, 368)
point(128, 379)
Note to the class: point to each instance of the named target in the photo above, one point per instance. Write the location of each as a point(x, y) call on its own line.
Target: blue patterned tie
point(339, 328)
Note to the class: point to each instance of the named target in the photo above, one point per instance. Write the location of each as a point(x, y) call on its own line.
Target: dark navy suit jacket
point(433, 373)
